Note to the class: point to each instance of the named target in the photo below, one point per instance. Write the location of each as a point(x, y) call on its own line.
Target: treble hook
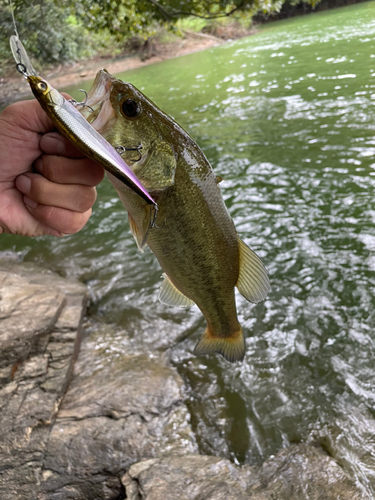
point(152, 224)
point(83, 103)
point(121, 150)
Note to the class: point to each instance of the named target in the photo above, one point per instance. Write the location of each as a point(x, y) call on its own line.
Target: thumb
point(28, 116)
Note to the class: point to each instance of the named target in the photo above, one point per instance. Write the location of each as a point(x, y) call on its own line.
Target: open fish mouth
point(98, 109)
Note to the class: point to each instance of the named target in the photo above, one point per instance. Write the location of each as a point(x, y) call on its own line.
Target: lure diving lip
point(69, 121)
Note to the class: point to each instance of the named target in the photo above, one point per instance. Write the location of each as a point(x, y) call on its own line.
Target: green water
point(287, 117)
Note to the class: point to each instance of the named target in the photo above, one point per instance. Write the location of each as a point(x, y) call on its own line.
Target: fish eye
point(42, 86)
point(130, 108)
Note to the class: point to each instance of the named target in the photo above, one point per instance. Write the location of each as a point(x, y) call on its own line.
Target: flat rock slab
point(27, 312)
point(40, 331)
point(186, 478)
point(117, 410)
point(300, 472)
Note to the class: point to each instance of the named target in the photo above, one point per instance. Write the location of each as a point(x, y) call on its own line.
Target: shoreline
point(14, 88)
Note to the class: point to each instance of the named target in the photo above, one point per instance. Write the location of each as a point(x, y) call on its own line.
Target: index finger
point(54, 143)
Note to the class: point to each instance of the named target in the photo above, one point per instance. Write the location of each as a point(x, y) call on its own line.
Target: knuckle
point(65, 221)
point(38, 190)
point(50, 170)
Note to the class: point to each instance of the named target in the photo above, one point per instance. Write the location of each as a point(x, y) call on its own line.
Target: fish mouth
point(97, 108)
point(98, 111)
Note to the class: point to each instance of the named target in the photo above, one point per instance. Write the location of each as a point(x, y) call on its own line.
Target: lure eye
point(42, 86)
point(130, 108)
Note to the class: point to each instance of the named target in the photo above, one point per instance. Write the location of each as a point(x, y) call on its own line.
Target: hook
point(121, 150)
point(152, 224)
point(83, 103)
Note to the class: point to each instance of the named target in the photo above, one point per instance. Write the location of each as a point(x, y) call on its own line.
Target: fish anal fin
point(171, 296)
point(137, 234)
point(253, 282)
point(232, 348)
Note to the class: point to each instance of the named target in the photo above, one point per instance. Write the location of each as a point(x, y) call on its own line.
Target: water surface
point(287, 118)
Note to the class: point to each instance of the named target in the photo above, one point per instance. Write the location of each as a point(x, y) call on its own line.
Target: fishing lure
point(69, 121)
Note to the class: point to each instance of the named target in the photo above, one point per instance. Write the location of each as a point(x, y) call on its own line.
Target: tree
point(56, 30)
point(45, 29)
point(129, 17)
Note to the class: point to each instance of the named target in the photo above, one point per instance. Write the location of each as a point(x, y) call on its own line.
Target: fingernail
point(23, 184)
point(30, 203)
point(38, 164)
point(53, 145)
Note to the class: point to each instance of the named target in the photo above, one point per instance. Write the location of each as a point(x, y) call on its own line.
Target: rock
point(121, 429)
point(187, 478)
point(40, 332)
point(27, 312)
point(302, 472)
point(118, 409)
point(299, 472)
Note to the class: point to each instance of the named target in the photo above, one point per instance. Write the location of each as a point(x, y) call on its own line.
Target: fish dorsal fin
point(139, 238)
point(253, 282)
point(170, 296)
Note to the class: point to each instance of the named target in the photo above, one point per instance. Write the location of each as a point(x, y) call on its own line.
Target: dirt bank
point(14, 87)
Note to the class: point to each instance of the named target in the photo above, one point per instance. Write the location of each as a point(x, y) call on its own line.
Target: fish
point(70, 122)
point(194, 238)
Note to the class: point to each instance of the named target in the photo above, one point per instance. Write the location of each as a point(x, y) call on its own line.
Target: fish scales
point(197, 219)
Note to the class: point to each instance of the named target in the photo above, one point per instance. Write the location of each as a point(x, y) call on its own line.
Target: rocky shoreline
point(97, 426)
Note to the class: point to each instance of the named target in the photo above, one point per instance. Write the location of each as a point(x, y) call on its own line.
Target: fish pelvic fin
point(231, 348)
point(253, 282)
point(170, 296)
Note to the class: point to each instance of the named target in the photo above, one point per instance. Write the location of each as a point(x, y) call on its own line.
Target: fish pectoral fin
point(137, 234)
point(170, 296)
point(219, 179)
point(232, 348)
point(253, 282)
point(157, 169)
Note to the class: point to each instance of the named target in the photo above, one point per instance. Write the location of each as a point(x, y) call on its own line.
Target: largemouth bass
point(194, 238)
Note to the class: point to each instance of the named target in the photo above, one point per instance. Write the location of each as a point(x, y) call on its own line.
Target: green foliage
point(65, 30)
point(46, 30)
point(124, 18)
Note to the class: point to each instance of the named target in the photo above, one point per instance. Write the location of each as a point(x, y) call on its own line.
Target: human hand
point(46, 185)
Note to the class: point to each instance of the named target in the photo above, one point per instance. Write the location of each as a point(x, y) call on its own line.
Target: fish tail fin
point(232, 348)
